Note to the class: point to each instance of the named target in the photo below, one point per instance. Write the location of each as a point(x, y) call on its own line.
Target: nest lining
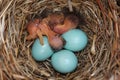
point(102, 20)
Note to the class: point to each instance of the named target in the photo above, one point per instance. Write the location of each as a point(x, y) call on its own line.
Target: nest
point(100, 60)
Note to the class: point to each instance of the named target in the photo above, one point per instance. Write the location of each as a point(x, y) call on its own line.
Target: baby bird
point(71, 21)
point(55, 19)
point(55, 41)
point(38, 28)
point(32, 28)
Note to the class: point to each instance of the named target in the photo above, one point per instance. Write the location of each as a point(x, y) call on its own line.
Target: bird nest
point(100, 60)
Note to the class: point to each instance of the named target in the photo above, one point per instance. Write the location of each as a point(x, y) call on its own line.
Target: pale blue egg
point(41, 52)
point(64, 61)
point(76, 40)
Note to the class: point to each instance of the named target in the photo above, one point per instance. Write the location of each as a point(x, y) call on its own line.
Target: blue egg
point(41, 52)
point(64, 61)
point(76, 40)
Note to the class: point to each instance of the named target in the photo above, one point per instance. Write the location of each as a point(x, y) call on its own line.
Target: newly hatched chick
point(32, 28)
point(55, 41)
point(71, 21)
point(55, 19)
point(45, 27)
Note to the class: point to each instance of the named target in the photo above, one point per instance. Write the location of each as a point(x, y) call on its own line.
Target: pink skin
point(55, 19)
point(70, 22)
point(32, 28)
point(55, 41)
point(37, 26)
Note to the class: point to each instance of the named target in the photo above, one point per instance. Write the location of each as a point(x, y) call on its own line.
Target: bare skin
point(70, 22)
point(38, 28)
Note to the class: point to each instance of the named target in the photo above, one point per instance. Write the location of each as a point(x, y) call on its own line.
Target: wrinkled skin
point(38, 28)
point(55, 19)
point(55, 41)
point(32, 28)
point(70, 22)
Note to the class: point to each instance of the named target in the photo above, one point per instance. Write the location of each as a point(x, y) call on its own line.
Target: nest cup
point(100, 19)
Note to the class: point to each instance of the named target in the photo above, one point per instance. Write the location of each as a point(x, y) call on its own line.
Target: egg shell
point(64, 61)
point(41, 52)
point(76, 40)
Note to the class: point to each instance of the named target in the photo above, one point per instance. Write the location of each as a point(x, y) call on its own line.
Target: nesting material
point(97, 17)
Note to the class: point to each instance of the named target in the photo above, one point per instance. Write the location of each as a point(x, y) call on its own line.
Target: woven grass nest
point(100, 60)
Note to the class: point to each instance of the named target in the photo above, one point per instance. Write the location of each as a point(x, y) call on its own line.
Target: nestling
point(54, 19)
point(32, 28)
point(55, 41)
point(71, 21)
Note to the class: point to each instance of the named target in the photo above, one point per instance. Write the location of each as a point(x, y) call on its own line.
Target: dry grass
point(98, 61)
